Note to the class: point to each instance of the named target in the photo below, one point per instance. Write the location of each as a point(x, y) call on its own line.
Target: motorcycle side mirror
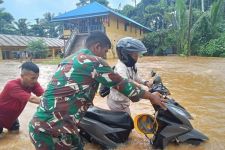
point(157, 80)
point(153, 73)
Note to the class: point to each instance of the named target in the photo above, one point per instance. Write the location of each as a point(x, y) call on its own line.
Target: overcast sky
point(32, 9)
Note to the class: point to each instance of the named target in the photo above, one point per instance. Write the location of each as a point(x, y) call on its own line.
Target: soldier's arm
point(34, 99)
point(106, 76)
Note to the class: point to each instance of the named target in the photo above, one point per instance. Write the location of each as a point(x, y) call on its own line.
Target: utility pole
point(135, 2)
point(189, 28)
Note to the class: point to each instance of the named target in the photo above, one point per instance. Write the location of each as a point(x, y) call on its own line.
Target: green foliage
point(85, 2)
point(181, 27)
point(38, 48)
point(43, 26)
point(82, 3)
point(51, 29)
point(201, 32)
point(158, 42)
point(205, 26)
point(6, 23)
point(128, 10)
point(216, 10)
point(22, 26)
point(214, 48)
point(103, 2)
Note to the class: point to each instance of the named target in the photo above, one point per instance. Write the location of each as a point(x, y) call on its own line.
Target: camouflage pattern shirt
point(72, 89)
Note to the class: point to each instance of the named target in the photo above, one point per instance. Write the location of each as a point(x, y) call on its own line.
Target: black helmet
point(128, 45)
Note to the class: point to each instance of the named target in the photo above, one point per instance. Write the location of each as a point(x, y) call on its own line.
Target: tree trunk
point(203, 9)
point(189, 28)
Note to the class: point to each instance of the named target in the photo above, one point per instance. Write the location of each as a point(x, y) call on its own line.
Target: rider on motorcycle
point(128, 49)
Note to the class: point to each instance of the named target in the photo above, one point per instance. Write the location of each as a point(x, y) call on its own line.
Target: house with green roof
point(96, 17)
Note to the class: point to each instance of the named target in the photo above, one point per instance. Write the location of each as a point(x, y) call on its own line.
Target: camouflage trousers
point(45, 141)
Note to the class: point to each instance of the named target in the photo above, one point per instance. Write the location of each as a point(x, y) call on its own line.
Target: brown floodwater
point(195, 82)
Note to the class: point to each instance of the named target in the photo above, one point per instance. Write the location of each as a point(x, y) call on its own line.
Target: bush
point(222, 55)
point(214, 48)
point(38, 48)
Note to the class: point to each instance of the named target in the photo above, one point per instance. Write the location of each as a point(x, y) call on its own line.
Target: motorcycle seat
point(111, 118)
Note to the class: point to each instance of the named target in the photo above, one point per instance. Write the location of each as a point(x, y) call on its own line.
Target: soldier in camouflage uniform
point(72, 90)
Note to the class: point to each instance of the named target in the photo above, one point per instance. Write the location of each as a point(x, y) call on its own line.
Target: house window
point(108, 22)
point(140, 31)
point(125, 26)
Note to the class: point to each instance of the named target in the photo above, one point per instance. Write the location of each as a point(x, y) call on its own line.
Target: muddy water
point(197, 83)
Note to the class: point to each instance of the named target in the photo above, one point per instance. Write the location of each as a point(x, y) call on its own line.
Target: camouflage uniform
point(68, 96)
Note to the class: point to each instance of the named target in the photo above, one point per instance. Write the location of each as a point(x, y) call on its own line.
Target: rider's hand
point(157, 99)
point(148, 84)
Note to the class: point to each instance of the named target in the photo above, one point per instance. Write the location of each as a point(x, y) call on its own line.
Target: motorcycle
point(109, 128)
point(171, 125)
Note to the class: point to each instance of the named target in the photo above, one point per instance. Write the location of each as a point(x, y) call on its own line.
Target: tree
point(51, 29)
point(82, 3)
point(214, 48)
point(181, 23)
point(128, 11)
point(215, 12)
point(6, 22)
point(208, 26)
point(103, 2)
point(37, 29)
point(158, 42)
point(38, 49)
point(22, 26)
point(189, 28)
point(85, 2)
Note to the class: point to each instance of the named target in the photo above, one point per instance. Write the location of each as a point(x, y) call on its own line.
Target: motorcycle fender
point(192, 135)
point(174, 130)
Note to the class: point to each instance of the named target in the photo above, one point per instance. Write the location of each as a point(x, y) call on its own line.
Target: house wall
point(10, 52)
point(115, 29)
point(1, 53)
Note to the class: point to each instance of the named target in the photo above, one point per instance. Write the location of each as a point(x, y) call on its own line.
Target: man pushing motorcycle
point(71, 91)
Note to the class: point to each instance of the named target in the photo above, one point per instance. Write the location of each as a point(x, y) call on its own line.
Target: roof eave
point(79, 17)
point(134, 22)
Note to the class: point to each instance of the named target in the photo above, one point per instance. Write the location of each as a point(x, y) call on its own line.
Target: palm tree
point(37, 29)
point(181, 23)
point(22, 26)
